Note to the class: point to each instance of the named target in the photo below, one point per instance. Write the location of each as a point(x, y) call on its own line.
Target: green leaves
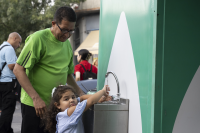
point(27, 16)
point(21, 16)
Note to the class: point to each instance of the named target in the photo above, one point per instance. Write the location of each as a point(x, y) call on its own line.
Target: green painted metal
point(166, 52)
point(177, 58)
point(141, 18)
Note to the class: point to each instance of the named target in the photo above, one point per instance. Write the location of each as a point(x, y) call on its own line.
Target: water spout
point(118, 89)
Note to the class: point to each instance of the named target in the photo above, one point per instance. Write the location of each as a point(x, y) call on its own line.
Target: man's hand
point(38, 103)
point(40, 106)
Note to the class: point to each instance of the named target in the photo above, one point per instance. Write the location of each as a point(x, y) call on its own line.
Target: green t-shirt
point(47, 61)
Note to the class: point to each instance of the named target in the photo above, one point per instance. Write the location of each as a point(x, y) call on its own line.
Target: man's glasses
point(65, 31)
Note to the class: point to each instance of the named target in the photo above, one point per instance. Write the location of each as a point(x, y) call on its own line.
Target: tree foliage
point(27, 16)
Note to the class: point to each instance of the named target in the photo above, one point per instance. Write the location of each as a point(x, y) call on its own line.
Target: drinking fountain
point(109, 116)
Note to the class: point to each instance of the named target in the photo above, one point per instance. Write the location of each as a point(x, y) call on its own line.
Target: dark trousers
point(0, 101)
point(31, 123)
point(8, 106)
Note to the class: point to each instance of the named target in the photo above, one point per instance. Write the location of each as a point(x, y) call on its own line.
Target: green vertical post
point(177, 62)
point(141, 21)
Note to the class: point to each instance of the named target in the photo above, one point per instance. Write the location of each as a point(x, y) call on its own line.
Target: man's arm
point(72, 82)
point(11, 66)
point(10, 58)
point(39, 104)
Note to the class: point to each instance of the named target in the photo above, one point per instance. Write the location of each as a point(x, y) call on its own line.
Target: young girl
point(67, 110)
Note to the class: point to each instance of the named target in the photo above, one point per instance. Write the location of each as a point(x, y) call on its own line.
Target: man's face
point(17, 42)
point(62, 31)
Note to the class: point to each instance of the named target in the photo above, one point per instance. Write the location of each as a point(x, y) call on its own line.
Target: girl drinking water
point(65, 110)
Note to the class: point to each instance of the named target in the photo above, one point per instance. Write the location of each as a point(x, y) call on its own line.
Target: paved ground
point(17, 119)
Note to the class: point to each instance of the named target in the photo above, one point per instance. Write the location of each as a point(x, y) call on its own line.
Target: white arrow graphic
point(123, 65)
point(188, 118)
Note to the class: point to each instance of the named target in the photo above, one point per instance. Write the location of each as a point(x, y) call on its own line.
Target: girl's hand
point(106, 90)
point(105, 98)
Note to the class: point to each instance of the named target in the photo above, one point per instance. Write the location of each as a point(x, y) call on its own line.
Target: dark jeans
point(31, 123)
point(8, 106)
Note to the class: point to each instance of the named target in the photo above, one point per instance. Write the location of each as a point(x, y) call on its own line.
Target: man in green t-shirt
point(45, 62)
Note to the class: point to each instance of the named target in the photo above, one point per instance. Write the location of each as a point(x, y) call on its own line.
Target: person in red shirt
point(83, 57)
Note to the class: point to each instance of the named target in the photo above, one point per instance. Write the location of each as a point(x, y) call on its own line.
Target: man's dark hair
point(65, 13)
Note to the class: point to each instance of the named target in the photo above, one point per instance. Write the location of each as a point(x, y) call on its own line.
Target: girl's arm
point(95, 97)
point(84, 97)
point(102, 99)
point(91, 100)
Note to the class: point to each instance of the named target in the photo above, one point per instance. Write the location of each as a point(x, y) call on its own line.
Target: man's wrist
point(35, 97)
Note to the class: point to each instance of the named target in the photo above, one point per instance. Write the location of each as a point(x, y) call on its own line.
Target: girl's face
point(79, 58)
point(68, 100)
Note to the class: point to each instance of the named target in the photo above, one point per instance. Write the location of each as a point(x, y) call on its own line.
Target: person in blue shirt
point(7, 80)
point(67, 110)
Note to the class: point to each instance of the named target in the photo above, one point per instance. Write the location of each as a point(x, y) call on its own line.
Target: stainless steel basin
point(112, 105)
point(107, 117)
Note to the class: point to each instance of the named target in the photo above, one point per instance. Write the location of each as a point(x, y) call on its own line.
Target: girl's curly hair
point(49, 119)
